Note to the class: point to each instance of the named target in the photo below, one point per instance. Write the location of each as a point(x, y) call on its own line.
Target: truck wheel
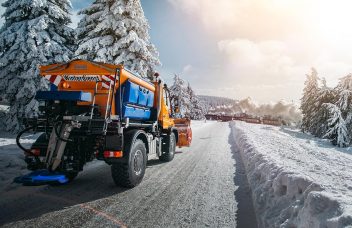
point(130, 174)
point(168, 148)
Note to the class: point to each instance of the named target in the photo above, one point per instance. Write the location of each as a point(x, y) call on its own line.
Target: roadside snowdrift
point(296, 180)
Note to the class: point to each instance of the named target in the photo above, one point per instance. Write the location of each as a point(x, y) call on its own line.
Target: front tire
point(129, 174)
point(168, 148)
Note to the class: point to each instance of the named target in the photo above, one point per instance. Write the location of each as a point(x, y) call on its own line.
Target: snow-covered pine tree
point(179, 92)
point(116, 31)
point(34, 33)
point(309, 101)
point(344, 91)
point(325, 94)
point(197, 110)
point(344, 101)
point(337, 129)
point(337, 112)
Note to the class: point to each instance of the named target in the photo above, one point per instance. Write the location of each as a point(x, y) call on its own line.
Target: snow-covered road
point(196, 189)
point(297, 180)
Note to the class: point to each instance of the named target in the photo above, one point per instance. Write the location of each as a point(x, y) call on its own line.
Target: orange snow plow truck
point(105, 112)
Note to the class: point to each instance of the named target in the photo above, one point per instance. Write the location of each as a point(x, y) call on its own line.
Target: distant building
point(211, 116)
point(268, 120)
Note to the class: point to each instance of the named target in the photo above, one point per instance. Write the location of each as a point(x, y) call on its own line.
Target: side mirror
point(176, 106)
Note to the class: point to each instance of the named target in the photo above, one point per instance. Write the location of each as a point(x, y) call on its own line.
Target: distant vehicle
point(102, 111)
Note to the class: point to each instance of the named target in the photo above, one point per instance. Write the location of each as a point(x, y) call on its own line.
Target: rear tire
point(129, 174)
point(168, 148)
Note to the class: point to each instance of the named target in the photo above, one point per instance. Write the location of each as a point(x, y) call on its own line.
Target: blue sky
point(181, 43)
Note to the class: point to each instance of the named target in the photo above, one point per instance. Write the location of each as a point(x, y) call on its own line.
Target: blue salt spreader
point(41, 177)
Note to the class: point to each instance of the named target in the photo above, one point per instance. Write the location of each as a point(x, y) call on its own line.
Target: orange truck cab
point(102, 111)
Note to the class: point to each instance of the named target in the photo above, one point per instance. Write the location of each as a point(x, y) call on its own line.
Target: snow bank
point(296, 180)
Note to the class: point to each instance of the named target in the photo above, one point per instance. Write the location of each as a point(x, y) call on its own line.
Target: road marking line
point(109, 217)
point(85, 206)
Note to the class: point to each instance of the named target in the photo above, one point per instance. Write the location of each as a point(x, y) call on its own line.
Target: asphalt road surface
point(196, 189)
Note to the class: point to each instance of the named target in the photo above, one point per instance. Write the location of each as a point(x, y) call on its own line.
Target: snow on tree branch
point(34, 33)
point(116, 31)
point(188, 101)
point(327, 112)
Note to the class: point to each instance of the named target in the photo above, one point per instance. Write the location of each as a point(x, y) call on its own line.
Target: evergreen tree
point(116, 31)
point(327, 112)
point(34, 33)
point(309, 104)
point(320, 118)
point(197, 110)
point(179, 92)
point(337, 130)
point(340, 122)
point(344, 91)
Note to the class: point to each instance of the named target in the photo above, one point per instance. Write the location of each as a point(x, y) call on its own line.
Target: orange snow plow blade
point(184, 132)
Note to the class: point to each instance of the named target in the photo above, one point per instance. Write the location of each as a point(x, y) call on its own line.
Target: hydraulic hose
point(19, 137)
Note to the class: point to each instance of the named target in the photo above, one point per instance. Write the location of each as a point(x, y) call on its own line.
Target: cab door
point(183, 125)
point(165, 112)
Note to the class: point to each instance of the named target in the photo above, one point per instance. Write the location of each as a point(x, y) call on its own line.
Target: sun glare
point(332, 19)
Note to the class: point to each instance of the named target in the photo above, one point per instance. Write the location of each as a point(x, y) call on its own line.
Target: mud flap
point(184, 132)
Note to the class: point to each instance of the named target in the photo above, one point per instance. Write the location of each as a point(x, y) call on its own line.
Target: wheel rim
point(138, 162)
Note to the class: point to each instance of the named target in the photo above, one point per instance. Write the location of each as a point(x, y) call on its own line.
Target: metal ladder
point(109, 101)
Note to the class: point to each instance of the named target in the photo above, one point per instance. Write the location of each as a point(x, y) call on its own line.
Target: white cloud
point(247, 18)
point(267, 47)
point(187, 69)
point(263, 62)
